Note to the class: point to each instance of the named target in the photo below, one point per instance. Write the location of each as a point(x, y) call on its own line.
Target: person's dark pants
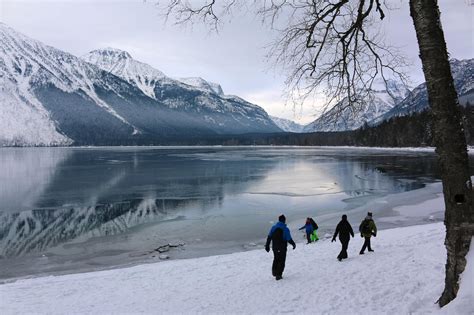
point(279, 257)
point(308, 237)
point(345, 245)
point(366, 244)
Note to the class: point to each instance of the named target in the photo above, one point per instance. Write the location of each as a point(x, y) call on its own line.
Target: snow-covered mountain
point(210, 87)
point(142, 75)
point(50, 97)
point(342, 117)
point(287, 125)
point(121, 64)
point(417, 100)
point(193, 95)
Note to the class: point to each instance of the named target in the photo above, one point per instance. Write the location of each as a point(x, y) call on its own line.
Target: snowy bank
point(405, 275)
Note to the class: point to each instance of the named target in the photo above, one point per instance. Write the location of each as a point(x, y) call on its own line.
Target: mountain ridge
point(417, 100)
point(342, 117)
point(51, 97)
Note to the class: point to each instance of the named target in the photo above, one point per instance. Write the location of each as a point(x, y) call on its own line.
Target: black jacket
point(344, 229)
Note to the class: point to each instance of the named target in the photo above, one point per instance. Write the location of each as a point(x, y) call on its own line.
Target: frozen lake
point(73, 209)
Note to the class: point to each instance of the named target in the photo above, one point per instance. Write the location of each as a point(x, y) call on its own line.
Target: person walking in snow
point(279, 236)
point(367, 229)
point(344, 230)
point(314, 235)
point(308, 229)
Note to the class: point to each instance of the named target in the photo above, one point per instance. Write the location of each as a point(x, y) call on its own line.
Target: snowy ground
point(405, 275)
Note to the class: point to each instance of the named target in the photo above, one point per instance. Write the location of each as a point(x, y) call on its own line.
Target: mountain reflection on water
point(52, 196)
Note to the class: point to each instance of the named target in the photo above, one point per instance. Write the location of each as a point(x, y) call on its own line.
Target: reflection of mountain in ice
point(38, 230)
point(107, 193)
point(25, 174)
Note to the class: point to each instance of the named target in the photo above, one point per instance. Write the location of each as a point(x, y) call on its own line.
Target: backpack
point(365, 227)
point(278, 239)
point(315, 226)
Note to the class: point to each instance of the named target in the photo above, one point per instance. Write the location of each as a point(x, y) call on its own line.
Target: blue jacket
point(279, 236)
point(308, 228)
point(286, 231)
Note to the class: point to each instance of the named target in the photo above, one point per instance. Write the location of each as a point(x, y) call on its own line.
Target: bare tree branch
point(328, 45)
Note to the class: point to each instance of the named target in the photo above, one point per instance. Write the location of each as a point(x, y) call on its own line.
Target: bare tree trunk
point(449, 139)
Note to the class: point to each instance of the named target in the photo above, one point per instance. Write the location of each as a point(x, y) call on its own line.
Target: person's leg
point(345, 244)
point(368, 244)
point(280, 257)
point(275, 263)
point(308, 237)
point(315, 236)
point(341, 253)
point(364, 246)
point(283, 261)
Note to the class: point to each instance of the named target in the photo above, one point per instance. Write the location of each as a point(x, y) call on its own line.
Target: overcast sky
point(234, 58)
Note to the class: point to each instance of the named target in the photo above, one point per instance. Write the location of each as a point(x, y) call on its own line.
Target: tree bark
point(449, 139)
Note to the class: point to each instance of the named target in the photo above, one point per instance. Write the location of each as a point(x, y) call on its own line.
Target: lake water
point(73, 209)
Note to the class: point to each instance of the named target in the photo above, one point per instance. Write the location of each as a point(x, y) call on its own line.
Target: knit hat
point(282, 218)
point(369, 214)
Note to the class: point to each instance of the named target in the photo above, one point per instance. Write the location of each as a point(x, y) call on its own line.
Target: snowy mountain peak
point(121, 64)
point(200, 83)
point(113, 53)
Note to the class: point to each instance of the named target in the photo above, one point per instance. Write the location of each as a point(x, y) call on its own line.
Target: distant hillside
point(342, 117)
point(417, 100)
point(287, 125)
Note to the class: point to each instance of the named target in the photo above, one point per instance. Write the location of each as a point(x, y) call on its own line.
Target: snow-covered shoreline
point(405, 275)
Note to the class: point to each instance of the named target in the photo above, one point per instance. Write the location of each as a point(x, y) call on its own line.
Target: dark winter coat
point(279, 236)
point(315, 226)
point(344, 230)
point(367, 228)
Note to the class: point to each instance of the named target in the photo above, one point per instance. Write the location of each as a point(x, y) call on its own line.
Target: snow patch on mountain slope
point(26, 63)
point(122, 64)
point(207, 86)
point(24, 121)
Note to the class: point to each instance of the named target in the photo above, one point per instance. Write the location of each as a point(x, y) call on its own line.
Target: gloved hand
point(333, 240)
point(361, 235)
point(374, 234)
point(267, 248)
point(294, 246)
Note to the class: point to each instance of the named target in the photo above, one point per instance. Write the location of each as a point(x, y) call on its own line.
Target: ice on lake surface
point(66, 209)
